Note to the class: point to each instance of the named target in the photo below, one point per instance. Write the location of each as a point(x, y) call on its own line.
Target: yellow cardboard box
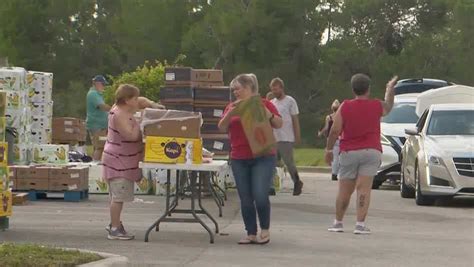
point(3, 154)
point(4, 178)
point(171, 150)
point(6, 203)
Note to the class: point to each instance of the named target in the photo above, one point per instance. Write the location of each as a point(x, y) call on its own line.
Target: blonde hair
point(246, 80)
point(278, 81)
point(335, 105)
point(125, 92)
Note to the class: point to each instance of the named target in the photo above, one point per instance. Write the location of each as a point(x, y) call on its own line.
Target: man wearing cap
point(97, 113)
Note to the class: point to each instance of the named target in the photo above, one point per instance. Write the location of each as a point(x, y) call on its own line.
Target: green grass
point(309, 157)
point(13, 255)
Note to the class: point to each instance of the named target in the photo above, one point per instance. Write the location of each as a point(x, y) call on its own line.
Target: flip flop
point(246, 241)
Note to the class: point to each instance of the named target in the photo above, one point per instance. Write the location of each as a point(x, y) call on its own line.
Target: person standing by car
point(289, 134)
point(97, 112)
point(325, 132)
point(358, 123)
point(253, 175)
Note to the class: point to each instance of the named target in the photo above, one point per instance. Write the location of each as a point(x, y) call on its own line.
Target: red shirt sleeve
point(226, 110)
point(271, 107)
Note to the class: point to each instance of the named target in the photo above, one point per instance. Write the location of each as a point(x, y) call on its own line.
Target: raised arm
point(387, 104)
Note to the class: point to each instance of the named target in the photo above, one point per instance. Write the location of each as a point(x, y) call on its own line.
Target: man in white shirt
point(289, 133)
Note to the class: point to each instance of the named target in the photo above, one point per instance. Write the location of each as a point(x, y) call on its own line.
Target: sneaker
point(109, 227)
point(120, 234)
point(361, 230)
point(336, 227)
point(298, 188)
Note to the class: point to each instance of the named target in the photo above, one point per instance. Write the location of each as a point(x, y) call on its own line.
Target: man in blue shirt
point(97, 114)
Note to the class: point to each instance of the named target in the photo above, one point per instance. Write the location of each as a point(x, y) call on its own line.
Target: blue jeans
point(253, 178)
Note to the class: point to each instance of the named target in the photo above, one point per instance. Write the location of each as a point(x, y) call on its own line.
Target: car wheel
point(419, 198)
point(405, 190)
point(377, 183)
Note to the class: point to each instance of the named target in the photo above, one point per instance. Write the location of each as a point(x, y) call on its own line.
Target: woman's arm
point(144, 102)
point(275, 120)
point(325, 128)
point(225, 121)
point(129, 131)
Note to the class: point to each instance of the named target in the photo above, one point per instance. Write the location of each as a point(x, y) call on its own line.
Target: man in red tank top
point(357, 123)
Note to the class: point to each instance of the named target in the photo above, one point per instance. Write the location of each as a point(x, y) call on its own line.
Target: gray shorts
point(364, 162)
point(121, 190)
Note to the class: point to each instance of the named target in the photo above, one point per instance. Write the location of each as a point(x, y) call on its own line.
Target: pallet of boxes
point(39, 167)
point(6, 197)
point(201, 91)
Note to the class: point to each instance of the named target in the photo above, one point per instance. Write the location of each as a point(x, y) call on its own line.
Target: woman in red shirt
point(253, 175)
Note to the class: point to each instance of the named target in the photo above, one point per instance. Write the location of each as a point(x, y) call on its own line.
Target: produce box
point(57, 154)
point(210, 112)
point(41, 136)
point(176, 94)
point(42, 109)
point(180, 106)
point(180, 74)
point(3, 154)
point(14, 118)
point(3, 103)
point(40, 96)
point(212, 95)
point(41, 122)
point(5, 178)
point(193, 77)
point(20, 154)
point(216, 143)
point(6, 203)
point(40, 86)
point(32, 184)
point(210, 127)
point(171, 150)
point(69, 129)
point(3, 125)
point(12, 78)
point(145, 186)
point(207, 75)
point(15, 99)
point(171, 123)
point(159, 179)
point(98, 186)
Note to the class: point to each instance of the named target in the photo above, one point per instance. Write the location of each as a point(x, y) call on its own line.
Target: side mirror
point(412, 131)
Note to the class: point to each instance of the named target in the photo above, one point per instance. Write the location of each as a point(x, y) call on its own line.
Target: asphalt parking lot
point(403, 234)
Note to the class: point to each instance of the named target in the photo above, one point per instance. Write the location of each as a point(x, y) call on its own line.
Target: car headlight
point(434, 160)
point(384, 140)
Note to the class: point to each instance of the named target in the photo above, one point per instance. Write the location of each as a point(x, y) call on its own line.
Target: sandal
point(264, 239)
point(247, 241)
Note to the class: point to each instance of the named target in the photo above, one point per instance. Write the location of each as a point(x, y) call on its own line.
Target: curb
point(108, 259)
point(314, 169)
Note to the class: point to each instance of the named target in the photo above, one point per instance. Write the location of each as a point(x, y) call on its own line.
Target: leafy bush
point(148, 78)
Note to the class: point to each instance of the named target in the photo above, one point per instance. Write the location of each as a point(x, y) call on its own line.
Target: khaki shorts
point(364, 162)
point(121, 190)
point(95, 138)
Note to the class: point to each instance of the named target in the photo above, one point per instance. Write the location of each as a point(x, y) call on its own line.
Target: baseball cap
point(100, 78)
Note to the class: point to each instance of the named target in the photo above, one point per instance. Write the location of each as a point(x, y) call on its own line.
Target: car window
point(421, 121)
point(402, 113)
point(451, 122)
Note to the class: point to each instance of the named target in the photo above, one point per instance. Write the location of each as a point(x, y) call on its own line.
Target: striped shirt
point(121, 157)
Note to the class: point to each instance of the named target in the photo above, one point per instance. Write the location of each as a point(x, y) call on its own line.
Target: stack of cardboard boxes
point(50, 178)
point(69, 130)
point(199, 90)
point(40, 88)
point(6, 198)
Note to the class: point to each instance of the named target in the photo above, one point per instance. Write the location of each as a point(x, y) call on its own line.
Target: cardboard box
point(212, 95)
point(13, 118)
point(210, 112)
point(15, 99)
point(32, 184)
point(180, 106)
point(172, 123)
point(176, 94)
point(5, 178)
point(256, 125)
point(216, 143)
point(6, 203)
point(171, 150)
point(210, 127)
point(98, 186)
point(41, 122)
point(207, 75)
point(3, 124)
point(33, 172)
point(3, 103)
point(69, 129)
point(20, 154)
point(39, 96)
point(41, 136)
point(145, 185)
point(3, 154)
point(12, 78)
point(40, 80)
point(42, 109)
point(65, 184)
point(57, 154)
point(159, 178)
point(177, 74)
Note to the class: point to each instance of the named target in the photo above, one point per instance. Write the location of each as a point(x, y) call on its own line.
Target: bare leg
point(346, 188)
point(115, 212)
point(364, 187)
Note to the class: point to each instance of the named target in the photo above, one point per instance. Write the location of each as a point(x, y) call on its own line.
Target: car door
point(413, 146)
